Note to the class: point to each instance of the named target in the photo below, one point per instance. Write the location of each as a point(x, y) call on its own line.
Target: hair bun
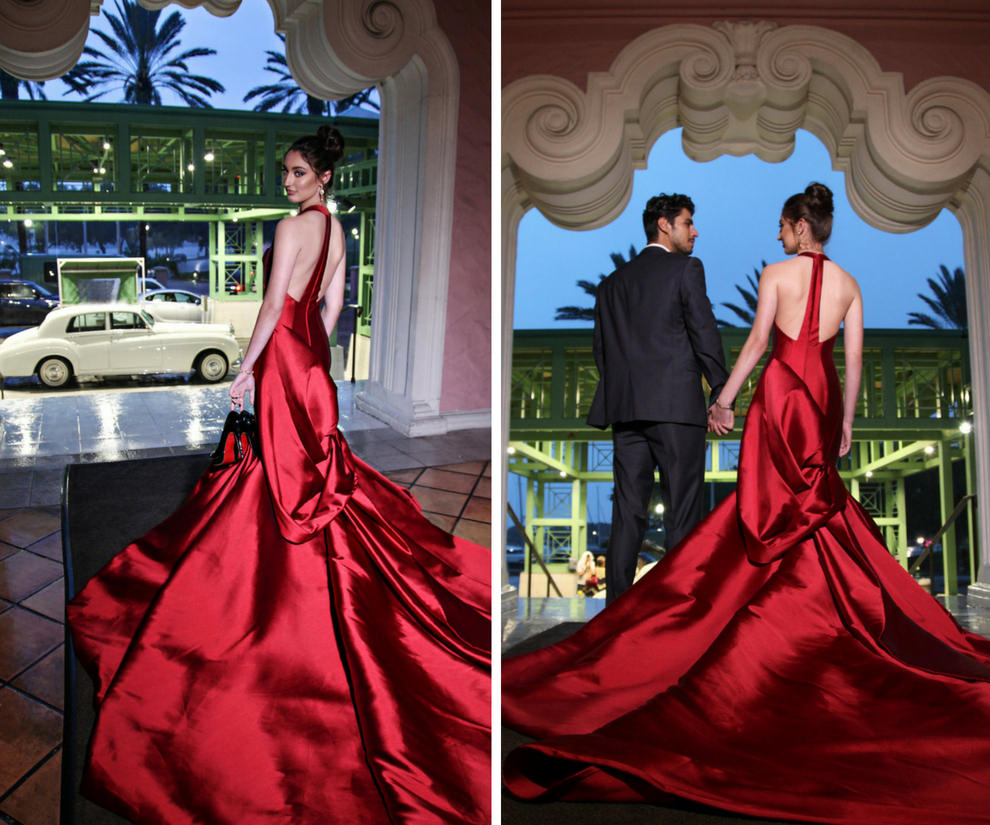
point(332, 142)
point(819, 198)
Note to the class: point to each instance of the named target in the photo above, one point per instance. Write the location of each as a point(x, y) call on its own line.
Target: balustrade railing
point(914, 381)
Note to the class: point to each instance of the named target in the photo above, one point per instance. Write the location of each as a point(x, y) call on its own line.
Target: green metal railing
point(915, 383)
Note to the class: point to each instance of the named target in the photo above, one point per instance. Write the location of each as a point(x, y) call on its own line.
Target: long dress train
point(778, 661)
point(297, 643)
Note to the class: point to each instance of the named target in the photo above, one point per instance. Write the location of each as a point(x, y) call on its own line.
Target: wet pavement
point(114, 420)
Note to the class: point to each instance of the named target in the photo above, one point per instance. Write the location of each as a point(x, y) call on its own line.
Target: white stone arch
point(335, 48)
point(746, 87)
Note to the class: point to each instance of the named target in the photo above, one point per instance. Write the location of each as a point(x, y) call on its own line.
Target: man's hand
point(720, 421)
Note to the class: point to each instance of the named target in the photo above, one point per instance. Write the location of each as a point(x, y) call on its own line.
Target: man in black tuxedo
point(655, 336)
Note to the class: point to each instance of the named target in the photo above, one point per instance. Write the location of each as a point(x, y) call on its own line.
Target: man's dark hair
point(663, 206)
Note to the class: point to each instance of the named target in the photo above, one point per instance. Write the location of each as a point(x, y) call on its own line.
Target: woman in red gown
point(778, 662)
point(297, 643)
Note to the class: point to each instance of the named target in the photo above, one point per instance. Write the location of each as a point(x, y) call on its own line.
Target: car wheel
point(54, 372)
point(212, 367)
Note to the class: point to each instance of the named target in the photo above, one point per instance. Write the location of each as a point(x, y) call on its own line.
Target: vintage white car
point(175, 305)
point(116, 339)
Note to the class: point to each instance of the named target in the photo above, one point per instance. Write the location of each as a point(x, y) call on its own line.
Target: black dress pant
point(640, 447)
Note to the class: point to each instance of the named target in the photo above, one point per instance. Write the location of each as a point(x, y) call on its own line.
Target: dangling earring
point(323, 194)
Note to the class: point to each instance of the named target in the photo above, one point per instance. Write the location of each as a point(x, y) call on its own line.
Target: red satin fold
point(778, 662)
point(296, 644)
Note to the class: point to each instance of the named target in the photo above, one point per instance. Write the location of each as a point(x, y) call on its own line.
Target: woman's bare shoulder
point(773, 273)
point(290, 226)
point(847, 281)
point(297, 229)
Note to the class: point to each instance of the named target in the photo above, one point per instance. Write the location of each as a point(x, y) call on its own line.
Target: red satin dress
point(778, 662)
point(297, 643)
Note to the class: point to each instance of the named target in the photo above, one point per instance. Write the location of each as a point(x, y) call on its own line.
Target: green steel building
point(97, 162)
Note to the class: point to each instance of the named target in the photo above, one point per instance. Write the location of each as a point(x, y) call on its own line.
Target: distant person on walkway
point(655, 336)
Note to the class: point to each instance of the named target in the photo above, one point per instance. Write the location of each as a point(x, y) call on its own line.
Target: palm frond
point(745, 315)
point(922, 320)
point(574, 313)
point(142, 57)
point(948, 303)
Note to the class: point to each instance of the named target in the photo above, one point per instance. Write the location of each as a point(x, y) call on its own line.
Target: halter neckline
point(809, 326)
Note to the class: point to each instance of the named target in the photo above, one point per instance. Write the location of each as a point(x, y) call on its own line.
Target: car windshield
point(147, 317)
point(45, 293)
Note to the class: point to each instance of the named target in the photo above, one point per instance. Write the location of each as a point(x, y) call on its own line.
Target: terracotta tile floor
point(454, 496)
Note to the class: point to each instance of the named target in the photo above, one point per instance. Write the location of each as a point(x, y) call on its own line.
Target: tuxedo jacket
point(655, 337)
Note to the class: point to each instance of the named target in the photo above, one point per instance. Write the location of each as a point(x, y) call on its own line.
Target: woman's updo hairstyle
point(815, 206)
point(322, 150)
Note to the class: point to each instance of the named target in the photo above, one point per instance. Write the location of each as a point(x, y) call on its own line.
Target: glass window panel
point(83, 159)
point(161, 159)
point(126, 320)
point(234, 163)
point(90, 322)
point(19, 169)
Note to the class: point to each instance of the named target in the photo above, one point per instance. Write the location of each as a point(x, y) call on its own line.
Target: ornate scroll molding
point(739, 88)
point(742, 88)
point(43, 39)
point(218, 8)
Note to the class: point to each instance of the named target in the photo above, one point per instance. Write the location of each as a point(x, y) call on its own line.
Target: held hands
point(720, 420)
point(243, 386)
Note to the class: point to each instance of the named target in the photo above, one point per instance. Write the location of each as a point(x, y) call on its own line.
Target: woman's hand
point(720, 420)
point(243, 386)
point(847, 435)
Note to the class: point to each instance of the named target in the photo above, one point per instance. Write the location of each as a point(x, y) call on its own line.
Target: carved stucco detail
point(343, 47)
point(218, 8)
point(741, 88)
point(43, 39)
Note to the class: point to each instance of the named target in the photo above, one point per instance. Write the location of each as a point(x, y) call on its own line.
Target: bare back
point(792, 282)
point(310, 227)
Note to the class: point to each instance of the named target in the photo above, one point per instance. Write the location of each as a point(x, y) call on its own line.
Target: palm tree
point(746, 313)
point(10, 87)
point(576, 313)
point(141, 60)
point(949, 304)
point(293, 100)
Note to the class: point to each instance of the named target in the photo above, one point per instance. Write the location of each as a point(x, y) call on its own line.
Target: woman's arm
point(333, 298)
point(288, 244)
point(852, 340)
point(722, 420)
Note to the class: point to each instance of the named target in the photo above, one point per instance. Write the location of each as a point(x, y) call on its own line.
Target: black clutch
point(240, 432)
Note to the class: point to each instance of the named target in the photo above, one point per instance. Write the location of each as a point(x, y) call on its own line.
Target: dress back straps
point(313, 288)
point(809, 327)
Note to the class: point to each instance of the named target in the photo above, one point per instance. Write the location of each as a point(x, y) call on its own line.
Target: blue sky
point(240, 41)
point(737, 202)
